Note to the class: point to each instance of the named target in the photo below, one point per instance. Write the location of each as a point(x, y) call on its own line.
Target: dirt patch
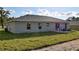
point(67, 46)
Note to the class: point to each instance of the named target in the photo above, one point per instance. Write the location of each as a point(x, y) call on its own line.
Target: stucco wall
point(21, 27)
point(11, 27)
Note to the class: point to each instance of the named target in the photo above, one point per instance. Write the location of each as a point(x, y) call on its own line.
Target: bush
point(6, 30)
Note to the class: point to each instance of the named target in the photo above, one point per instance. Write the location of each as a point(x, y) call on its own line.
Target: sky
point(57, 12)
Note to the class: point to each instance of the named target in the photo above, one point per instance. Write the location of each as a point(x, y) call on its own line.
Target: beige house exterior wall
point(11, 27)
point(21, 27)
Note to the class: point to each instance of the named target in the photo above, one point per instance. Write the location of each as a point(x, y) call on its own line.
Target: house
point(71, 23)
point(36, 23)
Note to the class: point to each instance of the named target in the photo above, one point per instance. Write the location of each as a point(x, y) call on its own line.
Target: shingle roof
point(38, 18)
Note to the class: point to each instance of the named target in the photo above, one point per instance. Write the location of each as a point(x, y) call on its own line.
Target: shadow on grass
point(7, 35)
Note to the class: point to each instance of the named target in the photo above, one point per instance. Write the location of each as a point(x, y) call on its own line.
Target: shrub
point(6, 30)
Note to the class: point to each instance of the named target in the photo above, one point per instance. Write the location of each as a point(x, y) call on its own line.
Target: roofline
point(14, 20)
point(38, 21)
point(38, 15)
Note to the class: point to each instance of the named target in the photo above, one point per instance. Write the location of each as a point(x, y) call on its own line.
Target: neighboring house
point(73, 23)
point(36, 23)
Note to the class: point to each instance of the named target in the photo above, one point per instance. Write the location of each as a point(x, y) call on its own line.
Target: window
point(28, 26)
point(57, 26)
point(47, 24)
point(39, 26)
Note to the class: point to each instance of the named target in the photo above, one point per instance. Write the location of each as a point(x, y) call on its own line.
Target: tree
point(77, 19)
point(73, 19)
point(3, 15)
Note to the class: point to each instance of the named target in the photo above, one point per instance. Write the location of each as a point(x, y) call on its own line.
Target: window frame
point(39, 26)
point(28, 26)
point(47, 24)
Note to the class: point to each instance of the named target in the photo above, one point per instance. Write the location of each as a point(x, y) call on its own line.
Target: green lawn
point(27, 41)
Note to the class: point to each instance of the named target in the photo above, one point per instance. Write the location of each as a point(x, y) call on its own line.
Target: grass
point(28, 41)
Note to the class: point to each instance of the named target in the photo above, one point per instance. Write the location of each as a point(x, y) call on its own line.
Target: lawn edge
point(51, 45)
